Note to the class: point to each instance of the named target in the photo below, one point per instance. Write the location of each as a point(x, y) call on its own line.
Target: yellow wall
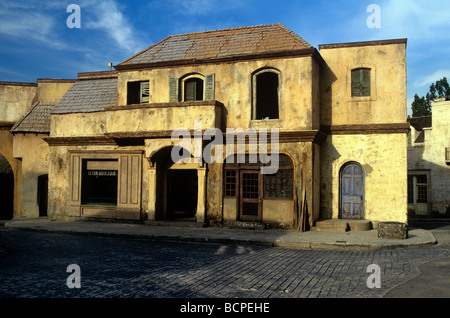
point(383, 158)
point(233, 88)
point(387, 103)
point(15, 100)
point(33, 151)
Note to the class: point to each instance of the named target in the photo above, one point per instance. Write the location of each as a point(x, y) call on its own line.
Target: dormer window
point(360, 82)
point(138, 92)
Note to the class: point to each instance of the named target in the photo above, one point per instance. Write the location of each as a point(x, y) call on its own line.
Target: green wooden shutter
point(173, 89)
point(360, 82)
point(209, 87)
point(365, 81)
point(356, 82)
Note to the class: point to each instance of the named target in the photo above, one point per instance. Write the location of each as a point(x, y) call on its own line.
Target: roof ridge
point(229, 29)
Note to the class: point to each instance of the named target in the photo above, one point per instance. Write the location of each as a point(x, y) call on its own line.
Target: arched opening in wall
point(266, 95)
point(176, 185)
point(6, 189)
point(352, 191)
point(42, 194)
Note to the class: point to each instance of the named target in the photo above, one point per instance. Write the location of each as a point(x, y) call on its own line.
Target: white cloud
point(109, 18)
point(423, 20)
point(29, 22)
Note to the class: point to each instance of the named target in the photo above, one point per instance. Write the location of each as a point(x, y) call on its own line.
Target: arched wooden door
point(352, 190)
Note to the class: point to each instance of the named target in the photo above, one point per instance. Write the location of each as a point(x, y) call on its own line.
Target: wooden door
point(250, 196)
point(352, 192)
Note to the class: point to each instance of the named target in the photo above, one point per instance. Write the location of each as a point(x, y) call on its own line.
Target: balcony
point(160, 119)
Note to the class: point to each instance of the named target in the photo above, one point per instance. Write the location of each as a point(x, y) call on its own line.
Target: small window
point(138, 92)
point(447, 155)
point(230, 183)
point(361, 82)
point(266, 96)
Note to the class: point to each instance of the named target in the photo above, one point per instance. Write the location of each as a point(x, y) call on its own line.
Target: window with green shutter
point(191, 87)
point(361, 82)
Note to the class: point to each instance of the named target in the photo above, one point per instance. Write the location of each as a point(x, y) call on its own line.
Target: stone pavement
point(366, 240)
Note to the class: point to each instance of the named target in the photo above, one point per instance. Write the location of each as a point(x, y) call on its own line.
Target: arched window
point(266, 95)
point(193, 89)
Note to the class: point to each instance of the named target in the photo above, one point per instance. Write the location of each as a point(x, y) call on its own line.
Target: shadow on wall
point(6, 189)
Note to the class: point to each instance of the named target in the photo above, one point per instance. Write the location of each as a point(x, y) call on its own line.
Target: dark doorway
point(181, 194)
point(6, 189)
point(42, 198)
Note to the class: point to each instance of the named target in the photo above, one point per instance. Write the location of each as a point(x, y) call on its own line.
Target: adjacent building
point(191, 127)
point(429, 162)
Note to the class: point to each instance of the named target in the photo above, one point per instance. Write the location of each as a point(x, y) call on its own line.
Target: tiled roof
point(88, 95)
point(36, 120)
point(224, 43)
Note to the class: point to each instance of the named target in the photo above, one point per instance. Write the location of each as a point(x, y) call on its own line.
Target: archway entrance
point(176, 186)
point(6, 189)
point(181, 194)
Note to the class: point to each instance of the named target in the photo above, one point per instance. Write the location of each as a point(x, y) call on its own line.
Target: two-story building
point(248, 124)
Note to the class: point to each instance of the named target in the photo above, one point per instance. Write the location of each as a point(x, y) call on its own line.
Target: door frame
point(363, 196)
point(258, 201)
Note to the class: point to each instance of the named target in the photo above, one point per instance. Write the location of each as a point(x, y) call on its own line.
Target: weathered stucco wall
point(387, 102)
point(440, 173)
point(50, 91)
point(78, 124)
point(233, 88)
point(33, 151)
point(15, 100)
point(384, 162)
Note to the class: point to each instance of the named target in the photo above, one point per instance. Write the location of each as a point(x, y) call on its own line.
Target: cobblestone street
point(34, 264)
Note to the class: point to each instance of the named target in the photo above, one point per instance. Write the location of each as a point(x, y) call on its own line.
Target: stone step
point(340, 225)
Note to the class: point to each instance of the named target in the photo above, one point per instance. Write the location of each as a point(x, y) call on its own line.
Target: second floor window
point(193, 89)
point(266, 98)
point(138, 92)
point(360, 82)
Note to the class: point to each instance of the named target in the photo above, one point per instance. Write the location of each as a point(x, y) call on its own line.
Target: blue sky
point(35, 41)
